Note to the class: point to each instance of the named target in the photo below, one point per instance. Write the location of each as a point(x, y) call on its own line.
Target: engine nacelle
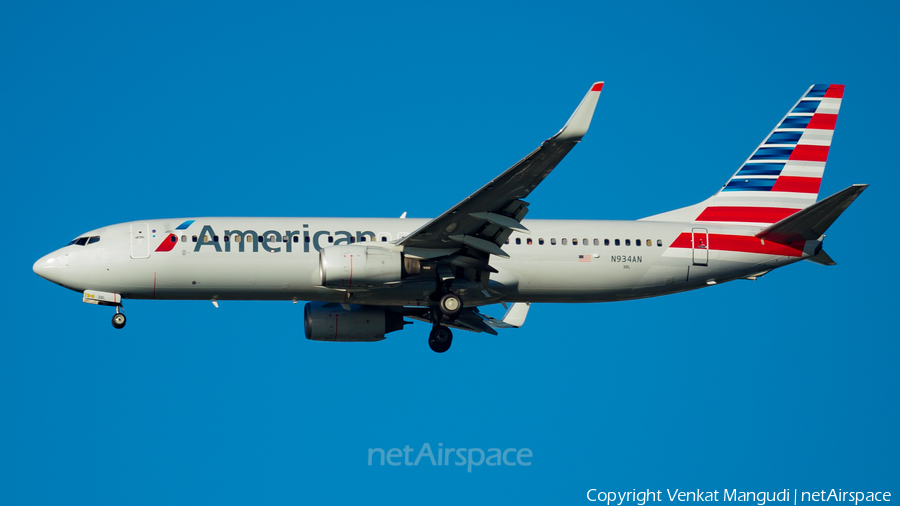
point(355, 265)
point(329, 321)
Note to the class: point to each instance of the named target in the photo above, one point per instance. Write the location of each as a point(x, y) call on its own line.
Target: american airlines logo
point(272, 241)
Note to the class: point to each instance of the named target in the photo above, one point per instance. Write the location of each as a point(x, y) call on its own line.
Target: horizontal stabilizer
point(810, 223)
point(822, 258)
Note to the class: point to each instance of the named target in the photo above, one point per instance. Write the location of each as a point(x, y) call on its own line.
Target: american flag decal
point(584, 258)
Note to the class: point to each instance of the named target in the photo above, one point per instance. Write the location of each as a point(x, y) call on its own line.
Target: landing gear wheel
point(118, 320)
point(440, 339)
point(451, 305)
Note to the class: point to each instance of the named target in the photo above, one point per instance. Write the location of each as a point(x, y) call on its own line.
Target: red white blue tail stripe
point(783, 174)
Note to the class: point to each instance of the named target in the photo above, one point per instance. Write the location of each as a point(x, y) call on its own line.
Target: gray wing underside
point(473, 320)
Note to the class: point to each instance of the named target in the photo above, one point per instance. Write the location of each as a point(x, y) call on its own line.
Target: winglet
point(513, 319)
point(515, 315)
point(580, 120)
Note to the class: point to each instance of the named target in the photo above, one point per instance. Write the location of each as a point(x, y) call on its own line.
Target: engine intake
point(349, 266)
point(330, 321)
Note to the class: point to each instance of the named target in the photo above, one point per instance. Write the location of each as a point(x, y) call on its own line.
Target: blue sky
point(115, 112)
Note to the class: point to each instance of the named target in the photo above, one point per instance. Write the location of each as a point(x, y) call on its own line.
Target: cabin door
point(140, 240)
point(700, 246)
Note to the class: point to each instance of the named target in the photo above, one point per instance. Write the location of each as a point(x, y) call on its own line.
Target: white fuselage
point(565, 261)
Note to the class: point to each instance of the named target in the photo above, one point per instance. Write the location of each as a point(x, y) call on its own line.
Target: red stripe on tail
point(806, 153)
point(835, 91)
point(822, 121)
point(745, 214)
point(797, 184)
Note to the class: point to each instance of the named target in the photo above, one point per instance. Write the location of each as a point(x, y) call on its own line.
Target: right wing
point(485, 219)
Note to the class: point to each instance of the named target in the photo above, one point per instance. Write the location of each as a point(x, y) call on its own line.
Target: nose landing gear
point(118, 319)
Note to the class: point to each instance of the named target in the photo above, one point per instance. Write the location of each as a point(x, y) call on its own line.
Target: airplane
point(365, 276)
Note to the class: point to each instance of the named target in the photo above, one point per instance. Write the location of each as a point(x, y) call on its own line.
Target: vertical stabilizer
point(783, 174)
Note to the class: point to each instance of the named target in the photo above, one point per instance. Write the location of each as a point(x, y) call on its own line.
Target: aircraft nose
point(49, 267)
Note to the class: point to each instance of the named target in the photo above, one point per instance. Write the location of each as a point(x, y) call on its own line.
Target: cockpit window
point(94, 239)
point(81, 241)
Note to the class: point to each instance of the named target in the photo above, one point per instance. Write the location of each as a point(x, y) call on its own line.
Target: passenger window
point(563, 241)
point(606, 242)
point(284, 238)
point(627, 242)
point(237, 238)
point(507, 241)
point(384, 238)
point(617, 242)
point(307, 239)
point(215, 238)
point(649, 242)
point(362, 239)
point(528, 241)
point(552, 241)
point(518, 240)
point(194, 238)
point(637, 242)
point(541, 241)
point(184, 238)
point(330, 238)
point(659, 242)
point(173, 238)
point(585, 242)
point(296, 238)
point(226, 238)
point(96, 238)
point(596, 242)
point(352, 240)
point(574, 241)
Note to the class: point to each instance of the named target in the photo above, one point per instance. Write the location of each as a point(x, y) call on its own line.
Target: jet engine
point(330, 321)
point(349, 266)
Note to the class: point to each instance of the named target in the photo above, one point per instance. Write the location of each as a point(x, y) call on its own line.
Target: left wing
point(485, 219)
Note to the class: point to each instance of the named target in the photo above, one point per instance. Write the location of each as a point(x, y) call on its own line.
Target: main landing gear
point(118, 319)
point(440, 338)
point(449, 306)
